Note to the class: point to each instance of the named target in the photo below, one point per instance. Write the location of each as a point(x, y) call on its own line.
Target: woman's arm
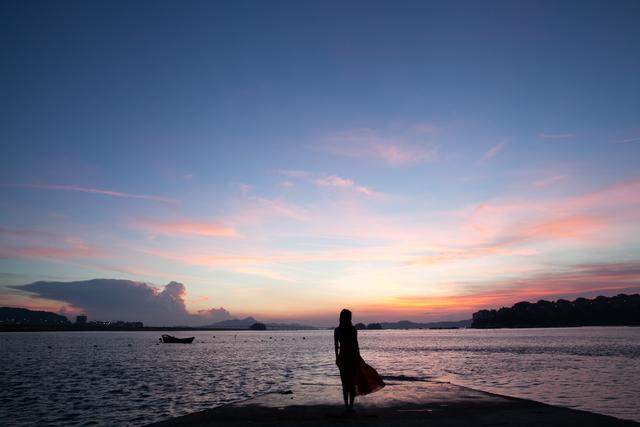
point(336, 343)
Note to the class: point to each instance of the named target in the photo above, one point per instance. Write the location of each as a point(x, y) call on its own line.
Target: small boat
point(168, 339)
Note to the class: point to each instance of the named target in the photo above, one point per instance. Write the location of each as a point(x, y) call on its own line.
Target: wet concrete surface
point(399, 403)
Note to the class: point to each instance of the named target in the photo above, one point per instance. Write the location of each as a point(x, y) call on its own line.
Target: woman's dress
point(353, 369)
point(367, 379)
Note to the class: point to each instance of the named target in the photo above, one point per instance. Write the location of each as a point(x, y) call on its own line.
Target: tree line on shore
point(23, 316)
point(601, 311)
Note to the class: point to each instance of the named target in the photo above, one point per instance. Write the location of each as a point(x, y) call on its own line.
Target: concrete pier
point(400, 403)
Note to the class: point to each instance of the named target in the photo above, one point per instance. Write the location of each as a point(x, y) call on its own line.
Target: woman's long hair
point(345, 318)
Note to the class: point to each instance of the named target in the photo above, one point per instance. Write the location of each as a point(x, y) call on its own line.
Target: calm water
point(76, 378)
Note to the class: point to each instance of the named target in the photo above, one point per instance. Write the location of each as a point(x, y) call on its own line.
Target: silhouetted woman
point(357, 377)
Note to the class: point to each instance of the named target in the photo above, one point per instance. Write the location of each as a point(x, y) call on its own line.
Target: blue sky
point(285, 159)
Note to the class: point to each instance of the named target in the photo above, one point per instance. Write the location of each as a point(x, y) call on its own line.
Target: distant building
point(98, 323)
point(81, 320)
point(121, 324)
point(115, 324)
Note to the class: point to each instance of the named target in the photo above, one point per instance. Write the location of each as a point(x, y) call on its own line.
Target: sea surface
point(127, 378)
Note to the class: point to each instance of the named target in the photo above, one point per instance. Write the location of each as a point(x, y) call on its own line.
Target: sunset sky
point(409, 160)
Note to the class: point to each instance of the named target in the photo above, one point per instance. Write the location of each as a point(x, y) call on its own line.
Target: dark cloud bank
point(111, 299)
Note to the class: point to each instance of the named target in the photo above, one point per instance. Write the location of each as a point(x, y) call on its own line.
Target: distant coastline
point(407, 324)
point(17, 319)
point(619, 310)
point(14, 319)
point(74, 328)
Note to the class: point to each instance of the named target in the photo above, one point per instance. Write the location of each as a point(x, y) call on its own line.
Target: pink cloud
point(187, 228)
point(366, 143)
point(129, 270)
point(548, 181)
point(257, 210)
point(239, 261)
point(598, 278)
point(282, 208)
point(507, 227)
point(494, 228)
point(27, 243)
point(563, 228)
point(621, 194)
point(324, 180)
point(109, 193)
point(491, 153)
point(610, 201)
point(292, 173)
point(336, 181)
point(51, 252)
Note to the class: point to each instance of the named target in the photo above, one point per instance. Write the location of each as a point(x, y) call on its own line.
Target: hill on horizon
point(232, 323)
point(246, 322)
point(24, 316)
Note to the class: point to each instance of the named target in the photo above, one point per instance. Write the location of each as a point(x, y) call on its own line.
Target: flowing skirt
point(367, 379)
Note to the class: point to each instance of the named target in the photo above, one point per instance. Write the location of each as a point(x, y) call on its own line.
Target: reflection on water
point(71, 378)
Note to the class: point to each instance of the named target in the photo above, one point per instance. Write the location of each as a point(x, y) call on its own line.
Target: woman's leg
point(345, 388)
point(352, 388)
point(345, 396)
point(352, 395)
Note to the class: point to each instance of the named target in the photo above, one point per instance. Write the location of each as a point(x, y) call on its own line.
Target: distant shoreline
point(25, 328)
